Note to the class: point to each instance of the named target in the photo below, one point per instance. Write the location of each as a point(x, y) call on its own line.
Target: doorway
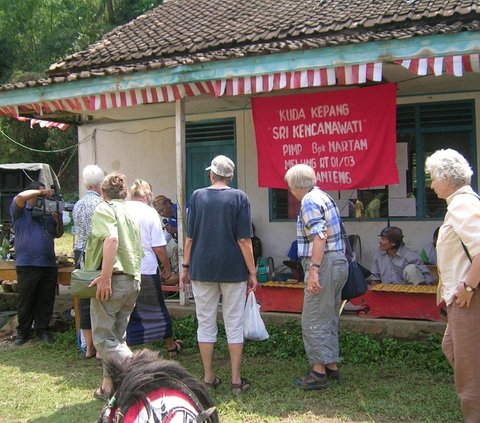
point(203, 141)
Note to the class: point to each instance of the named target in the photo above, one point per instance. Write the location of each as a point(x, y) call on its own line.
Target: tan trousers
point(110, 318)
point(461, 346)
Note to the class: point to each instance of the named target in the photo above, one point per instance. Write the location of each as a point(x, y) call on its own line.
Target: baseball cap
point(222, 166)
point(393, 234)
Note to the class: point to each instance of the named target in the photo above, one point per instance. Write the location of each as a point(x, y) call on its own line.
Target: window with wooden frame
point(421, 130)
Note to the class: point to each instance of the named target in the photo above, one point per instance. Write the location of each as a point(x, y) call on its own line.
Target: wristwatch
point(468, 288)
point(315, 265)
point(186, 266)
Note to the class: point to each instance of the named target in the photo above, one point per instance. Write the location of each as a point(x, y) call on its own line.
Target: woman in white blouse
point(458, 261)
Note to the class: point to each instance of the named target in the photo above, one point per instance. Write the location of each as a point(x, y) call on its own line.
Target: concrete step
point(396, 328)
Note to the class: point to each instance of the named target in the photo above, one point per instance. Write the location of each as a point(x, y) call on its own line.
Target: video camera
point(45, 206)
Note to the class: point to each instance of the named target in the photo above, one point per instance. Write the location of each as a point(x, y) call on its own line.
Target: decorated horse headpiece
point(149, 389)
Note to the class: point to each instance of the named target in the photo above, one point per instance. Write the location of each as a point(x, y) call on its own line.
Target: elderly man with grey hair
point(218, 259)
point(321, 249)
point(458, 261)
point(82, 213)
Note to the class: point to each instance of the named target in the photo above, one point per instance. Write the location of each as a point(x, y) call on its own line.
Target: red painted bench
point(286, 297)
point(381, 300)
point(400, 302)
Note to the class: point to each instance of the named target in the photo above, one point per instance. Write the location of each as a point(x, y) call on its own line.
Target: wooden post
point(180, 166)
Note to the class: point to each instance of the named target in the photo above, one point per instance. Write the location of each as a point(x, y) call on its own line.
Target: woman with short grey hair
point(82, 213)
point(458, 261)
point(92, 176)
point(321, 249)
point(451, 165)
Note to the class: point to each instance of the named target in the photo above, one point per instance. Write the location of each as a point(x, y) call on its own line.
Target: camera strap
point(44, 222)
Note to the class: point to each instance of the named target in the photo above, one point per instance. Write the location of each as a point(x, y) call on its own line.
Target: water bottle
point(188, 290)
point(186, 294)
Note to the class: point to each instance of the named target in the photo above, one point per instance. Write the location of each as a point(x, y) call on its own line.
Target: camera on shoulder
point(45, 206)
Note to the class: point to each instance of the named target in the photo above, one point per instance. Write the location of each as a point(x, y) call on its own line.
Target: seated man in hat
point(394, 263)
point(165, 208)
point(168, 212)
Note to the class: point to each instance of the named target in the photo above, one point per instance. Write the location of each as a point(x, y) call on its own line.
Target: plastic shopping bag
point(254, 328)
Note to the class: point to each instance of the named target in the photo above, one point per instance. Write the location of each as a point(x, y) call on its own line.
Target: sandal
point(172, 353)
point(91, 355)
point(333, 374)
point(311, 381)
point(212, 385)
point(239, 388)
point(100, 394)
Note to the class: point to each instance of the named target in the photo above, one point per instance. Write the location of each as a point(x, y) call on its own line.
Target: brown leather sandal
point(172, 353)
point(212, 385)
point(100, 394)
point(239, 388)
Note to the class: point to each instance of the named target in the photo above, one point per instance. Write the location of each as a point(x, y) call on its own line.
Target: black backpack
point(257, 246)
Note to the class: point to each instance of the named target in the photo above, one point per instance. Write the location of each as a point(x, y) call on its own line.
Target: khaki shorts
point(207, 297)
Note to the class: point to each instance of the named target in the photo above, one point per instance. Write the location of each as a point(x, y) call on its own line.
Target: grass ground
point(384, 380)
point(52, 383)
point(64, 245)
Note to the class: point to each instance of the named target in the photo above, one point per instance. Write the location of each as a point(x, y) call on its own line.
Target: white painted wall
point(143, 149)
point(146, 149)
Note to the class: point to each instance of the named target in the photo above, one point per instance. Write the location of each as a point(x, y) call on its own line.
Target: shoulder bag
point(356, 284)
point(79, 281)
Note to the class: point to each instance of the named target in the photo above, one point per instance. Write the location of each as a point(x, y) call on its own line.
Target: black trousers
point(36, 297)
point(85, 322)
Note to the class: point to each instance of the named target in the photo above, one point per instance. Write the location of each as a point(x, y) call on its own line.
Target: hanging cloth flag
point(43, 123)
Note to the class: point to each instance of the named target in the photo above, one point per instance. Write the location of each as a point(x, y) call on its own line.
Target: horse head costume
point(148, 389)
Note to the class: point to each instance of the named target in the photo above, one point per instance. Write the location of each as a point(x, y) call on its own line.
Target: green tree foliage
point(33, 35)
point(122, 11)
point(41, 145)
point(44, 31)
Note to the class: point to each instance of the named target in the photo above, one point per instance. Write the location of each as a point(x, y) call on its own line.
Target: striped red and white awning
point(341, 75)
point(44, 123)
point(9, 111)
point(309, 78)
point(450, 65)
